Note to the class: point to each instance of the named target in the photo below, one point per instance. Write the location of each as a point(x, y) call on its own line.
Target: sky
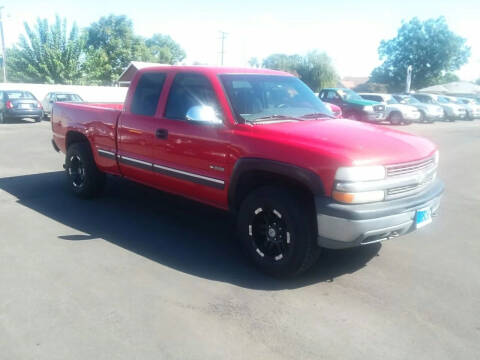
point(348, 31)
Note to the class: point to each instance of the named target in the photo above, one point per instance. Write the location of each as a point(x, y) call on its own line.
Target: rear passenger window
point(190, 90)
point(147, 93)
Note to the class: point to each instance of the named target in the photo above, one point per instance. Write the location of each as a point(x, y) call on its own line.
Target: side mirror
point(203, 113)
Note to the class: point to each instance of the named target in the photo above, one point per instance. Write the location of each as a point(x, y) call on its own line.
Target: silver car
point(396, 113)
point(53, 97)
point(452, 111)
point(428, 112)
point(473, 107)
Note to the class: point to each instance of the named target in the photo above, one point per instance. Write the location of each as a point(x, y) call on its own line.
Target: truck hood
point(351, 142)
point(362, 102)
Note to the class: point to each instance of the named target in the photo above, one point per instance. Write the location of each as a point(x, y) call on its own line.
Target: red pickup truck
point(260, 144)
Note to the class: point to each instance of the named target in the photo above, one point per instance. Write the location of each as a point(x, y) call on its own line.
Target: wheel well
point(256, 179)
point(74, 137)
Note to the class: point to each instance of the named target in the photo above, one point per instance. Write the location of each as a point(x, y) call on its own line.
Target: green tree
point(371, 87)
point(429, 46)
point(253, 62)
point(47, 54)
point(111, 45)
point(164, 49)
point(315, 69)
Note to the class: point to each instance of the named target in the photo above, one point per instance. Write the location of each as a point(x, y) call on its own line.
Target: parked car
point(472, 107)
point(452, 111)
point(19, 104)
point(396, 112)
point(428, 112)
point(353, 105)
point(336, 111)
point(260, 144)
point(53, 97)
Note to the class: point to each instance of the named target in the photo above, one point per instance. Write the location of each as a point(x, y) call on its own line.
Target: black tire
point(84, 178)
point(3, 119)
point(38, 119)
point(353, 116)
point(395, 118)
point(422, 117)
point(291, 248)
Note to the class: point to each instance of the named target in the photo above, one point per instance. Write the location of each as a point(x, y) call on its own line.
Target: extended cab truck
point(353, 105)
point(260, 144)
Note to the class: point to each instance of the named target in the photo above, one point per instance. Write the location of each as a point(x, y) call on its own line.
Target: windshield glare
point(255, 97)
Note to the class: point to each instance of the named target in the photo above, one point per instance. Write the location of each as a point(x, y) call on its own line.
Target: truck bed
point(97, 120)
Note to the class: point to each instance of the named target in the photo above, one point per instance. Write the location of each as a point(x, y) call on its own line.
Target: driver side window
point(189, 90)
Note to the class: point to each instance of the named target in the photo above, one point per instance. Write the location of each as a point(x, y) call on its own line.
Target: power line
point(223, 35)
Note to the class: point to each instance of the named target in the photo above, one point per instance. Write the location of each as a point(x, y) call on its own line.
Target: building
point(132, 68)
point(456, 88)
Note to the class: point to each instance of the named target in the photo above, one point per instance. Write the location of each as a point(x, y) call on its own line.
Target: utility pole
point(409, 79)
point(4, 60)
point(223, 35)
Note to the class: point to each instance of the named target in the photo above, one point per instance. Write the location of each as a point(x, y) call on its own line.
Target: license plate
point(423, 217)
point(24, 106)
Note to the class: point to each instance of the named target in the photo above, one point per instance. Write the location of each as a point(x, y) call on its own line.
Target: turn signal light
point(358, 197)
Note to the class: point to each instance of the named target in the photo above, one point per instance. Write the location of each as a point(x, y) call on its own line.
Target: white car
point(53, 97)
point(396, 113)
point(473, 107)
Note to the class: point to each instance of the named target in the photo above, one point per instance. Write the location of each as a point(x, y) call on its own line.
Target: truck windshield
point(348, 94)
point(280, 98)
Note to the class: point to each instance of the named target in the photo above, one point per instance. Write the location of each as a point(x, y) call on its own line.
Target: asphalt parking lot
point(138, 274)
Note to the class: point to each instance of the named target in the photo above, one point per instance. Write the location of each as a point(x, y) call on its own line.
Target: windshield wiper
point(276, 117)
point(317, 115)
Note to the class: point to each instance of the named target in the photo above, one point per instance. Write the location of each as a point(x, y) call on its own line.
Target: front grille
point(423, 171)
point(379, 107)
point(411, 167)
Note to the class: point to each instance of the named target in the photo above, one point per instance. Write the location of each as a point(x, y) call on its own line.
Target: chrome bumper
point(344, 226)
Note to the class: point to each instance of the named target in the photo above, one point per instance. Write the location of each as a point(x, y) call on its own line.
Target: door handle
point(161, 133)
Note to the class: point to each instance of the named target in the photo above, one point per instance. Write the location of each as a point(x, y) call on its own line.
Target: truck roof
point(214, 70)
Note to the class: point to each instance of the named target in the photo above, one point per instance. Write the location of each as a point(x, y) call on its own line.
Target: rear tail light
point(9, 105)
point(39, 104)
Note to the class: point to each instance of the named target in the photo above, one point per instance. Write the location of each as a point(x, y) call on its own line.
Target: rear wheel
point(85, 180)
point(422, 117)
point(278, 231)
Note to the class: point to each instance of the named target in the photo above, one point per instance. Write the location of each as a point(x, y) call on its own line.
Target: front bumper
point(412, 116)
point(376, 116)
point(344, 226)
point(435, 116)
point(24, 113)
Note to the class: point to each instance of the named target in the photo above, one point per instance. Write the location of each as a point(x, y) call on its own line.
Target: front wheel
point(396, 118)
point(85, 180)
point(353, 116)
point(278, 232)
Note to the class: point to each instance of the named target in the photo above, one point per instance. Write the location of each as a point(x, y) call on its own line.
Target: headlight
point(436, 157)
point(360, 173)
point(368, 108)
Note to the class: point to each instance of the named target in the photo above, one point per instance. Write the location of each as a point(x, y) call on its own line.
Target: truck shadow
point(170, 230)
